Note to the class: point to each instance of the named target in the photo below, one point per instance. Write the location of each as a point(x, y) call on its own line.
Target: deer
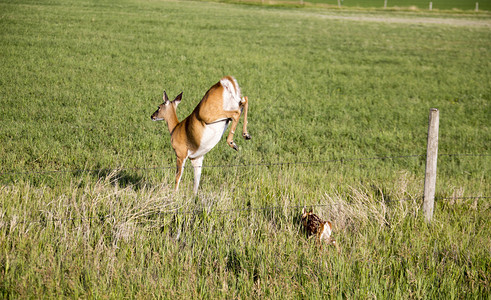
point(314, 225)
point(198, 133)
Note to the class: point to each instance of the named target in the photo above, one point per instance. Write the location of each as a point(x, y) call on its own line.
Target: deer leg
point(230, 137)
point(227, 114)
point(245, 107)
point(180, 166)
point(197, 165)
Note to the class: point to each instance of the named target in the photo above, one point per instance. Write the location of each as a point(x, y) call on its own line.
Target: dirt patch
point(412, 20)
point(400, 18)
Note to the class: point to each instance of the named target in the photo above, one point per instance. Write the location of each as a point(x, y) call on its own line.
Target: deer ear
point(164, 97)
point(178, 99)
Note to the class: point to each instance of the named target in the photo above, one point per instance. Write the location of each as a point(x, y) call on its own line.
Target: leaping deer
point(203, 128)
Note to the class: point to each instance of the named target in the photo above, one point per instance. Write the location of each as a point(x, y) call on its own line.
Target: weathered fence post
point(431, 5)
point(477, 7)
point(431, 158)
point(385, 3)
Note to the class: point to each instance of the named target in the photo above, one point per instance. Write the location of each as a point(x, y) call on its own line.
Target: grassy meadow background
point(86, 202)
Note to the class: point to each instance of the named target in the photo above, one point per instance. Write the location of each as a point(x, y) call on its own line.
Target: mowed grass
point(80, 80)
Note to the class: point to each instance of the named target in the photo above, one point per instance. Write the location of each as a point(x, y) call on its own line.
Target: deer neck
point(172, 122)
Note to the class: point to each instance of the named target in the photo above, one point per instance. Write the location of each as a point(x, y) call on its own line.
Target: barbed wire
point(202, 210)
point(266, 164)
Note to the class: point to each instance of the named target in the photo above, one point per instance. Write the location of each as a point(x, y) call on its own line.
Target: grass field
point(86, 202)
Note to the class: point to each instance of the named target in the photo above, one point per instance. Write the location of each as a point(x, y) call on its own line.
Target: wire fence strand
point(201, 210)
point(259, 164)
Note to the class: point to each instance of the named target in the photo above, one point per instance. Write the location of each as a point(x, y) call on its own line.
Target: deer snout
point(155, 117)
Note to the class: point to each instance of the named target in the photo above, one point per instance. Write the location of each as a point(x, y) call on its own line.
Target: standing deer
point(203, 128)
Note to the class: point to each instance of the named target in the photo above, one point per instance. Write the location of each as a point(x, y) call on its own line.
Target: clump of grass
point(63, 234)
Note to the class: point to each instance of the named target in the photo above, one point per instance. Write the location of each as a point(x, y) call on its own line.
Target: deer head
point(167, 110)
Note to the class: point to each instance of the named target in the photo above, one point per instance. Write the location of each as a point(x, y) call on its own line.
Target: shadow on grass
point(122, 178)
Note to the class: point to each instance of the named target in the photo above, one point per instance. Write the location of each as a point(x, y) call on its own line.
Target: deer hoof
point(234, 146)
point(246, 136)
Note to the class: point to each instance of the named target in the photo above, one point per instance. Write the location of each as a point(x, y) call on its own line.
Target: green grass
point(80, 80)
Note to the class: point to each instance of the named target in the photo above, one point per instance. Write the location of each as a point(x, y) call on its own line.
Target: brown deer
point(203, 128)
point(314, 225)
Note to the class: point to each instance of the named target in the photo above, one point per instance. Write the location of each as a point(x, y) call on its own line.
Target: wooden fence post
point(431, 158)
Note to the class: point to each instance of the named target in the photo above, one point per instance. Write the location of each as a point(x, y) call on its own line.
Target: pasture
point(338, 113)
